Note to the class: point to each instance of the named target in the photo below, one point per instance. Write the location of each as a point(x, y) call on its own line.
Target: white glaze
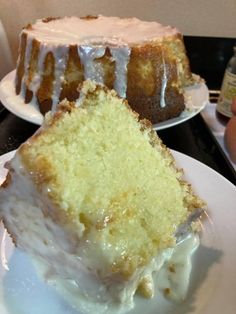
point(157, 272)
point(175, 273)
point(28, 49)
point(92, 70)
point(91, 37)
point(121, 56)
point(37, 78)
point(61, 56)
point(103, 30)
point(18, 61)
point(75, 268)
point(163, 83)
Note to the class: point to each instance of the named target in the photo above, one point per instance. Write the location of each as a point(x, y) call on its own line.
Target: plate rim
point(37, 117)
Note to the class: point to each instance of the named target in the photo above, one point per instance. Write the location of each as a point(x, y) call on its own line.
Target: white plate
point(197, 96)
point(213, 281)
point(15, 103)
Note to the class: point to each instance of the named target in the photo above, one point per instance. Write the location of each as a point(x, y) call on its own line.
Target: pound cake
point(95, 197)
point(144, 62)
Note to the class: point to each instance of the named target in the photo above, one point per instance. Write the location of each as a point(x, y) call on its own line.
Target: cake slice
point(95, 197)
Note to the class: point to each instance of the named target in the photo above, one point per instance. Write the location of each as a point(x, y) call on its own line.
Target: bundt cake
point(144, 62)
point(96, 197)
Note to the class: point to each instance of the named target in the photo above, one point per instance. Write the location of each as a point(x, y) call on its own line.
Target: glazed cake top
point(97, 30)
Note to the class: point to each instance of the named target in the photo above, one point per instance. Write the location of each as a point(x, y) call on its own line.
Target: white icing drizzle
point(23, 89)
point(92, 70)
point(37, 78)
point(76, 31)
point(18, 61)
point(28, 48)
point(92, 37)
point(60, 56)
point(158, 273)
point(121, 57)
point(175, 273)
point(35, 83)
point(164, 83)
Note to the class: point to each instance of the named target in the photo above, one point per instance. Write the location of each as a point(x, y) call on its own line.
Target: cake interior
point(96, 199)
point(97, 165)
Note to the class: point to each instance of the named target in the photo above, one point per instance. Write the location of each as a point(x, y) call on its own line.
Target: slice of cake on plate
point(95, 197)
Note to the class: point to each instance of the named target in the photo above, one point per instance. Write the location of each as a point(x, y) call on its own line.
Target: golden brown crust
point(13, 237)
point(7, 181)
point(144, 76)
point(44, 93)
point(145, 87)
point(33, 68)
point(191, 200)
point(74, 75)
point(28, 27)
point(49, 19)
point(20, 67)
point(108, 64)
point(89, 17)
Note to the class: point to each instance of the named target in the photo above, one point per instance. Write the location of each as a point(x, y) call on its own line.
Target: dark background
point(208, 57)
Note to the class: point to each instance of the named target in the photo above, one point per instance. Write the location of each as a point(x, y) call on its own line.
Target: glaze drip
point(60, 56)
point(28, 48)
point(121, 57)
point(92, 69)
point(37, 78)
point(163, 83)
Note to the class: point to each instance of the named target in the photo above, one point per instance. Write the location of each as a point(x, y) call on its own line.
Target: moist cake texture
point(144, 62)
point(96, 197)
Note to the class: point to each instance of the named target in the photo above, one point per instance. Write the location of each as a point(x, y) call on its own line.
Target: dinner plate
point(213, 280)
point(196, 98)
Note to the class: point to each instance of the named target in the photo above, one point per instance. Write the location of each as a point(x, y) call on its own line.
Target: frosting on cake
point(112, 31)
point(144, 62)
